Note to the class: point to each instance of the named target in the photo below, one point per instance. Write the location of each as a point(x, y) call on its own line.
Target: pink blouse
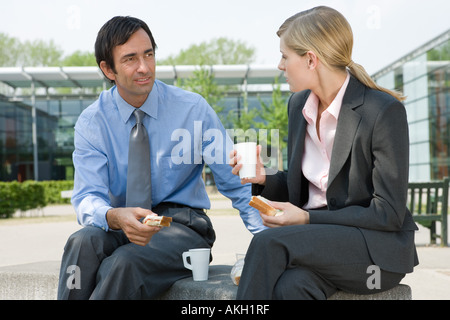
point(317, 154)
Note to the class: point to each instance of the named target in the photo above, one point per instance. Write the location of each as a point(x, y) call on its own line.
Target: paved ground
point(34, 242)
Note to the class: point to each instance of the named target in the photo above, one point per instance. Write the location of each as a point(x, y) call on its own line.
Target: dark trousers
point(111, 267)
point(310, 262)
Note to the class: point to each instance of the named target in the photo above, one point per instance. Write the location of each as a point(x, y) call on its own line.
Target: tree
point(275, 117)
point(216, 51)
point(80, 58)
point(37, 53)
point(9, 50)
point(245, 119)
point(202, 82)
point(205, 54)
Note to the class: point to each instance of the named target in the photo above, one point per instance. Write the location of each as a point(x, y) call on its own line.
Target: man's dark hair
point(114, 33)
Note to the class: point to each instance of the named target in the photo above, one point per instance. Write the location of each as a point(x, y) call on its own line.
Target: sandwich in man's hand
point(157, 221)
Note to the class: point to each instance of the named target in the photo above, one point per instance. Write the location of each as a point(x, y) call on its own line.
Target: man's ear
point(107, 71)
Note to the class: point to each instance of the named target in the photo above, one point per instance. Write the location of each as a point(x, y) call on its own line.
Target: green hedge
point(53, 191)
point(30, 195)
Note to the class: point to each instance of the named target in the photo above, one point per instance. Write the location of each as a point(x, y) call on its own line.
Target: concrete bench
point(39, 281)
point(32, 281)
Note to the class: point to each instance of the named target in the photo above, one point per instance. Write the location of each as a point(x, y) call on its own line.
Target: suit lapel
point(298, 139)
point(296, 142)
point(297, 128)
point(348, 123)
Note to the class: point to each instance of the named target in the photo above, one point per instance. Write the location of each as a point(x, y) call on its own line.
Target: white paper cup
point(198, 263)
point(247, 151)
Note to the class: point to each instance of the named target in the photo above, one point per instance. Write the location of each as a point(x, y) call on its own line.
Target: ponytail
point(361, 74)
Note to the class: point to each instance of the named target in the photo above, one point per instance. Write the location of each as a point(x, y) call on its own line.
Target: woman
point(345, 225)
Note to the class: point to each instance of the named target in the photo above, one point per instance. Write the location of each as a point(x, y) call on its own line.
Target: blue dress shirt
point(185, 133)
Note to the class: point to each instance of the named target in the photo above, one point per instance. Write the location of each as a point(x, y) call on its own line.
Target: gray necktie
point(139, 187)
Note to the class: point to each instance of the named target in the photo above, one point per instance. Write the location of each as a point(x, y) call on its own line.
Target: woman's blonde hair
point(328, 34)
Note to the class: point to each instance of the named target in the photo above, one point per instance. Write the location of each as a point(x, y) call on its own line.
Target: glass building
point(424, 78)
point(39, 108)
point(55, 119)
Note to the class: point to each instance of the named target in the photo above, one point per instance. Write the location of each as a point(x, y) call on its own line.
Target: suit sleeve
point(275, 189)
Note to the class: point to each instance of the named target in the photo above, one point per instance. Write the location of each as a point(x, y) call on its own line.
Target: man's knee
point(84, 237)
point(120, 262)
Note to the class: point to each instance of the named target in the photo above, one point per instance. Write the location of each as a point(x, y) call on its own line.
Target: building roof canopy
point(54, 77)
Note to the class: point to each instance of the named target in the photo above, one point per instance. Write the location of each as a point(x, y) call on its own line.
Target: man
point(115, 256)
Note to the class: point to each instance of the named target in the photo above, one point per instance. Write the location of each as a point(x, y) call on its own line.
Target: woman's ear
point(312, 60)
point(107, 71)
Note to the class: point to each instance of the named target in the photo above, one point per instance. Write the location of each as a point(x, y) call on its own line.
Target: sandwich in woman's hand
point(261, 204)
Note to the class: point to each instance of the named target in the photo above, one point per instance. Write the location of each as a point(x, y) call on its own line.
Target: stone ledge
point(39, 281)
point(219, 286)
point(31, 281)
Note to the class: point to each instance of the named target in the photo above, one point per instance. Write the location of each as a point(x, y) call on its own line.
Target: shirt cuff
point(99, 218)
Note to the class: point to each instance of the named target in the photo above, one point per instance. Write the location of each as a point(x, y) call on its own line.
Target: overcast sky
point(384, 30)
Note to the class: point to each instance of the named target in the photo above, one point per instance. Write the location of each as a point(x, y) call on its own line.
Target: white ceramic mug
point(199, 263)
point(247, 151)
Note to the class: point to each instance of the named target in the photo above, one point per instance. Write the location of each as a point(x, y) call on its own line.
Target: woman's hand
point(291, 215)
point(260, 171)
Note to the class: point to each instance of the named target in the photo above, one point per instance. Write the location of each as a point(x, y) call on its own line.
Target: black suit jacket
point(368, 177)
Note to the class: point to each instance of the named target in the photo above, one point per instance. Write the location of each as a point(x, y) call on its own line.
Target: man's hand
point(127, 220)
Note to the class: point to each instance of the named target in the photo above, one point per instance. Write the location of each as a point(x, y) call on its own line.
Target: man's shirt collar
point(150, 106)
